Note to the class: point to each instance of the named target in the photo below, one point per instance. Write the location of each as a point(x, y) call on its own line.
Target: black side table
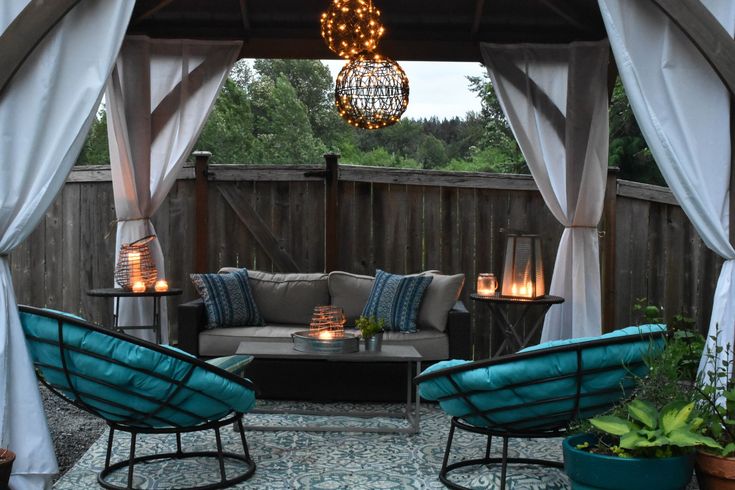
point(117, 293)
point(513, 339)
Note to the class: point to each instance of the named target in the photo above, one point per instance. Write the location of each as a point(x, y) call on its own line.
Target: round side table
point(513, 338)
point(117, 293)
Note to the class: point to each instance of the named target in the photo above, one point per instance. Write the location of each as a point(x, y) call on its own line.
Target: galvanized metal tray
point(304, 342)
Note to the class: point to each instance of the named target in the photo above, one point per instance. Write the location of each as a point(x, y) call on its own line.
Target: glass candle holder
point(487, 284)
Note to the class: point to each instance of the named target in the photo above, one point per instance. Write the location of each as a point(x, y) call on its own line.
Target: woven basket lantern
point(135, 264)
point(327, 319)
point(371, 91)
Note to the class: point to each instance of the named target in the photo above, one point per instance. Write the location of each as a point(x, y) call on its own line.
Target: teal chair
point(138, 388)
point(537, 392)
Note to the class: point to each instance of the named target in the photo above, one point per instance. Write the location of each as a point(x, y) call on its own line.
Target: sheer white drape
point(683, 111)
point(159, 96)
point(45, 113)
point(555, 98)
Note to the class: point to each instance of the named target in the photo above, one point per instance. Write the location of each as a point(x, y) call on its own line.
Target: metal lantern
point(523, 273)
point(371, 91)
point(327, 322)
point(135, 269)
point(351, 26)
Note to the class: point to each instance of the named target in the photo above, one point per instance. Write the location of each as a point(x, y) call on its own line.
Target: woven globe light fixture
point(371, 91)
point(351, 26)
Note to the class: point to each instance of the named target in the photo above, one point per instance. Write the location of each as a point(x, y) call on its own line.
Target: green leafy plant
point(647, 433)
point(369, 326)
point(716, 390)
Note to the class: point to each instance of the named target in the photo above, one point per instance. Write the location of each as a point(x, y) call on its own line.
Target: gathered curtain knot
point(581, 226)
point(113, 223)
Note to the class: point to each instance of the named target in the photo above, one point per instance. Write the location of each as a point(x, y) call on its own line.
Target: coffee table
point(390, 353)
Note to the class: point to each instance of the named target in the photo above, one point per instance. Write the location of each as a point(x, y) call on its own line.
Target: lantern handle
point(144, 241)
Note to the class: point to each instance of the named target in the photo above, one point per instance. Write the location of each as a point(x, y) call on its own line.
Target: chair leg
point(242, 438)
point(445, 461)
point(487, 448)
point(131, 463)
point(110, 440)
point(179, 452)
point(504, 464)
point(220, 454)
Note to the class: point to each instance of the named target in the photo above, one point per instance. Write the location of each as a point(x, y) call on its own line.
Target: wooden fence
point(276, 218)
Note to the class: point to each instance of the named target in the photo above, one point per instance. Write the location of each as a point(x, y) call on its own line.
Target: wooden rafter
point(152, 10)
point(564, 14)
point(479, 6)
point(245, 16)
point(28, 29)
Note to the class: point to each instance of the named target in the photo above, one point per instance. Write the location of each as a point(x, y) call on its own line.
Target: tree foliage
point(282, 112)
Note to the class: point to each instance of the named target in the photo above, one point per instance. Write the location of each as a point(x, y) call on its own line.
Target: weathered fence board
point(398, 220)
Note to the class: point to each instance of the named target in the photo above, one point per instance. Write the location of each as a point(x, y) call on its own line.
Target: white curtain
point(555, 99)
point(45, 113)
point(683, 111)
point(158, 99)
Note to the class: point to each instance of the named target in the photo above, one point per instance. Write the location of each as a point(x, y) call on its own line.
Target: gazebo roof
point(427, 30)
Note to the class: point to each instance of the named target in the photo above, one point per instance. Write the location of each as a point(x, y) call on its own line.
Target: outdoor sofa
point(286, 302)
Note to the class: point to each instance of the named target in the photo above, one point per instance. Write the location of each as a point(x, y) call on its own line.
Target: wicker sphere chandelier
point(371, 91)
point(351, 26)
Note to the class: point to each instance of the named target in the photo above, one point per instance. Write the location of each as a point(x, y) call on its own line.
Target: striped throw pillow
point(396, 299)
point(228, 299)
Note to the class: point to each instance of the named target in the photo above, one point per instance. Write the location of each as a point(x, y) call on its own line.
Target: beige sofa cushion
point(350, 292)
point(287, 298)
point(439, 298)
point(430, 343)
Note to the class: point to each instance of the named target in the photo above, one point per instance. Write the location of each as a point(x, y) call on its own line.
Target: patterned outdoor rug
point(326, 461)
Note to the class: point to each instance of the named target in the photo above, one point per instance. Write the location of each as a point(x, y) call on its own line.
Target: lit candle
point(325, 335)
point(161, 285)
point(139, 287)
point(486, 284)
point(514, 289)
point(134, 264)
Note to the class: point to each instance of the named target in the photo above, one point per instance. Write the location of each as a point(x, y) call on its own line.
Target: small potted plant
point(716, 390)
point(644, 449)
point(6, 465)
point(371, 330)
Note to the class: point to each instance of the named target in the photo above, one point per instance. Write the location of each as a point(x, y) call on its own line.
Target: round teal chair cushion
point(130, 381)
point(534, 389)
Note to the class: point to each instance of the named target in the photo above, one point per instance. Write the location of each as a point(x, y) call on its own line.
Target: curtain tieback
point(113, 223)
point(580, 226)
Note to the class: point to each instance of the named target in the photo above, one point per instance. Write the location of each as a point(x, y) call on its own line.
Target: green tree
point(281, 125)
point(432, 153)
point(96, 150)
point(228, 133)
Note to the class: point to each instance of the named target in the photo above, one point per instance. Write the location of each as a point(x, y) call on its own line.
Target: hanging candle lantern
point(351, 26)
point(371, 91)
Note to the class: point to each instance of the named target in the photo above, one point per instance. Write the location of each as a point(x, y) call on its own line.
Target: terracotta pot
point(715, 472)
point(6, 464)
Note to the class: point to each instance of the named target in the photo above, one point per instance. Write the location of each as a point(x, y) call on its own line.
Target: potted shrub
point(371, 330)
point(644, 449)
point(716, 390)
point(6, 464)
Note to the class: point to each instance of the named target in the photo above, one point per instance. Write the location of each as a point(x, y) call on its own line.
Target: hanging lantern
point(351, 26)
point(523, 274)
point(371, 91)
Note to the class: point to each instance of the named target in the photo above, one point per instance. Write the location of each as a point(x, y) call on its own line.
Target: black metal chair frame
point(544, 429)
point(140, 423)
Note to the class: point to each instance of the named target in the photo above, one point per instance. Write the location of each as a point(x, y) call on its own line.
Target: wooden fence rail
point(273, 218)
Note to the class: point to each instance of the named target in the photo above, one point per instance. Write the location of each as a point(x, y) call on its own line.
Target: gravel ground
point(73, 430)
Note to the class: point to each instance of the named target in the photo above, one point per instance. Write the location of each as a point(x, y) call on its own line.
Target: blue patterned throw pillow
point(396, 299)
point(228, 299)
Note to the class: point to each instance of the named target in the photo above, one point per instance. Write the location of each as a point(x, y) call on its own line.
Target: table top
point(282, 349)
point(543, 300)
point(124, 293)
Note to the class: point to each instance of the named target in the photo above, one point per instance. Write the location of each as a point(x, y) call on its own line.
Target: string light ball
point(371, 91)
point(351, 26)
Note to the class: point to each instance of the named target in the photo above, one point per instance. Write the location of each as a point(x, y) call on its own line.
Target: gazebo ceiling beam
point(152, 9)
point(563, 11)
point(245, 17)
point(28, 29)
point(479, 6)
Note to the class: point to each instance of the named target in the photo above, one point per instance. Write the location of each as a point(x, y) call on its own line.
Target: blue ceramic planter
point(589, 471)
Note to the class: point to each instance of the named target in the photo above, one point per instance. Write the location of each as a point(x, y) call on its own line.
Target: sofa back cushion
point(350, 292)
point(287, 298)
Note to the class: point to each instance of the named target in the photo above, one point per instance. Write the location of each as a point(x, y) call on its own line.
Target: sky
point(435, 89)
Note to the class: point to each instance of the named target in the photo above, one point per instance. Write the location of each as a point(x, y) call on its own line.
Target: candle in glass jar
point(139, 287)
point(161, 285)
point(487, 284)
point(134, 266)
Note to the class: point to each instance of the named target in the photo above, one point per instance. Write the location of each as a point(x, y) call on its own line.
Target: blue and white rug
point(327, 461)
